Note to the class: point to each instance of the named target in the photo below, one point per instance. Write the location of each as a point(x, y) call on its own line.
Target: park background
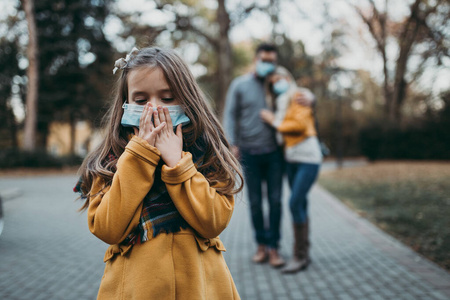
point(379, 69)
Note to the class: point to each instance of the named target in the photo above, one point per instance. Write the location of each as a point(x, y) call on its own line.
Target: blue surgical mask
point(264, 68)
point(281, 86)
point(132, 115)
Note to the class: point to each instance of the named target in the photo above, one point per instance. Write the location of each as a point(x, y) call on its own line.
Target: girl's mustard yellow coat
point(183, 265)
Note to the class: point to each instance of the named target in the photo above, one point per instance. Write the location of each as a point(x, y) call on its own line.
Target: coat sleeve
point(231, 113)
point(115, 211)
point(296, 119)
point(207, 211)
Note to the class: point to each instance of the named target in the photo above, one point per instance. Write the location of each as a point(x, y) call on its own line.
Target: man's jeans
point(257, 169)
point(301, 178)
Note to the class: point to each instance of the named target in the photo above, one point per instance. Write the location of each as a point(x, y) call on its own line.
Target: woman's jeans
point(301, 177)
point(258, 168)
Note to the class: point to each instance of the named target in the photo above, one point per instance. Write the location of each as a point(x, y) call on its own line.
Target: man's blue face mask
point(132, 115)
point(264, 68)
point(281, 86)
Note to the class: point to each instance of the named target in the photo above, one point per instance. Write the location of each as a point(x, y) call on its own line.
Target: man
point(255, 144)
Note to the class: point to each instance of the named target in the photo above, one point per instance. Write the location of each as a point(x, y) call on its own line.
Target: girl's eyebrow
point(138, 93)
point(141, 93)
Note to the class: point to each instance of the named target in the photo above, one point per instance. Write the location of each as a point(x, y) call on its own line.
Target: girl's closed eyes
point(144, 101)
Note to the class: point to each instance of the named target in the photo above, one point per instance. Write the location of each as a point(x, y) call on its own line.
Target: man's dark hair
point(266, 47)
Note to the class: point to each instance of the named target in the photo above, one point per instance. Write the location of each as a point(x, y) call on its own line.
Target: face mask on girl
point(264, 68)
point(281, 86)
point(132, 115)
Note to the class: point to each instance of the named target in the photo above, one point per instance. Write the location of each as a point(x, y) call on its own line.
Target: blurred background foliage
point(386, 115)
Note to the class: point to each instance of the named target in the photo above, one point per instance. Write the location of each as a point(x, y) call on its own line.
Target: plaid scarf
point(159, 213)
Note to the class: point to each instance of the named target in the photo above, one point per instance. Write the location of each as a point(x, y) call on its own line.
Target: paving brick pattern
point(47, 252)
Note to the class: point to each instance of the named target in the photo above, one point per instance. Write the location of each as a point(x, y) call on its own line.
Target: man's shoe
point(275, 260)
point(261, 255)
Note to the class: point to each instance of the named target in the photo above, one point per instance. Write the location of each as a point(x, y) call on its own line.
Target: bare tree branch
point(242, 13)
point(370, 24)
point(184, 23)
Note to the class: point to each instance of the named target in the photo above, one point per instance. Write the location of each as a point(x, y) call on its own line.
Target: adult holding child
point(254, 142)
point(294, 120)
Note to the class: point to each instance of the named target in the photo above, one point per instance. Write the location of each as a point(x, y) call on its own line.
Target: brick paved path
point(47, 252)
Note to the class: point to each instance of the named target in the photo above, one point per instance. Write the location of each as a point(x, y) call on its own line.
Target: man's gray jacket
point(242, 122)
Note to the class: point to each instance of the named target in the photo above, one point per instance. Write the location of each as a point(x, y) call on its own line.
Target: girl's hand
point(168, 143)
point(147, 130)
point(267, 116)
point(305, 99)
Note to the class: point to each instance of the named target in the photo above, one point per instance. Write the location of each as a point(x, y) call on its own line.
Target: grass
point(409, 200)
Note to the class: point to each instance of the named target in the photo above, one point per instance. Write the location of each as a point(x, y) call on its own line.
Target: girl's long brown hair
point(217, 163)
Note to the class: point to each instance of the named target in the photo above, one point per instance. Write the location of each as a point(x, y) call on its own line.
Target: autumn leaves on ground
point(409, 200)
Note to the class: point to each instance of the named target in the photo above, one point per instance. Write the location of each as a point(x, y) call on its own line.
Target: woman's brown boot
point(300, 259)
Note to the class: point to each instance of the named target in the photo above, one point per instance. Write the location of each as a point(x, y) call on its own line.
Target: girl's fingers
point(167, 118)
point(142, 119)
point(148, 119)
point(156, 119)
point(162, 117)
point(149, 114)
point(158, 128)
point(179, 131)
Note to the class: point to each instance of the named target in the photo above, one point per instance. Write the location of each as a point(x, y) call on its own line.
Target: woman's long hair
point(268, 86)
point(204, 132)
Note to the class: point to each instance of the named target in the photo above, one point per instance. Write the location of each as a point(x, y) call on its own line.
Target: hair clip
point(121, 63)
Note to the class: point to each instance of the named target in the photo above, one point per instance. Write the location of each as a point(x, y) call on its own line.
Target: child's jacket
point(296, 124)
point(184, 265)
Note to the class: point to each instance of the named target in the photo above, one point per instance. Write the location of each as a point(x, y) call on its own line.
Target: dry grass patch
point(410, 200)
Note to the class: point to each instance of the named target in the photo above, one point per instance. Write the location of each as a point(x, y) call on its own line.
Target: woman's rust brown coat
point(183, 265)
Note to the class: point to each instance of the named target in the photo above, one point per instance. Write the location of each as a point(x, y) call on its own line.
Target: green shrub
point(431, 141)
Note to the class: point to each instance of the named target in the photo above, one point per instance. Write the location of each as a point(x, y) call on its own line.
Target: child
point(157, 192)
point(294, 119)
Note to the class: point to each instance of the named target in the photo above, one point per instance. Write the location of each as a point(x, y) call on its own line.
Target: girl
point(294, 119)
point(158, 193)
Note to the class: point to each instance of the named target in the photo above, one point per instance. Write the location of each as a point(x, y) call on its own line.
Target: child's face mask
point(281, 86)
point(132, 115)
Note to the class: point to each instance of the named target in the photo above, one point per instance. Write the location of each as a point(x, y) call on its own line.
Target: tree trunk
point(72, 133)
point(29, 142)
point(382, 41)
point(406, 42)
point(274, 10)
point(224, 56)
point(13, 128)
point(387, 91)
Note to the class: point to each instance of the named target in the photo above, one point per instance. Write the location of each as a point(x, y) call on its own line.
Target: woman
point(294, 120)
